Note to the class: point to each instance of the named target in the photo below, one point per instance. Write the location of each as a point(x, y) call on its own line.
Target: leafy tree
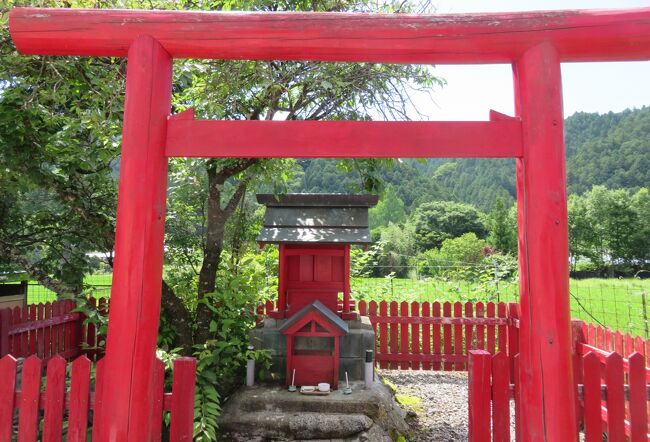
point(582, 235)
point(615, 223)
point(59, 129)
point(440, 220)
point(389, 209)
point(641, 240)
point(397, 245)
point(459, 257)
point(62, 123)
point(502, 225)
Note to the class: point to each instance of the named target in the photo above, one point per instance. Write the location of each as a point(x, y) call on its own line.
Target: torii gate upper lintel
point(535, 43)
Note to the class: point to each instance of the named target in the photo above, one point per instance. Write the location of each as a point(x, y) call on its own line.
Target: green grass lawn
point(616, 303)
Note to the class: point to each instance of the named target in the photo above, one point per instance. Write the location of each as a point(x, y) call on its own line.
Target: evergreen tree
point(389, 209)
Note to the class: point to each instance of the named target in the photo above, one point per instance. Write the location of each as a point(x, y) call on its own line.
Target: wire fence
point(617, 303)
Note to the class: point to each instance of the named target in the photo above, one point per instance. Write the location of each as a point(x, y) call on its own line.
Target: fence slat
point(404, 335)
point(40, 332)
point(7, 387)
point(446, 312)
point(614, 378)
point(501, 329)
point(383, 333)
point(54, 400)
point(628, 344)
point(91, 334)
point(57, 310)
point(638, 399)
point(426, 335)
point(79, 400)
point(591, 398)
point(515, 375)
point(639, 345)
point(158, 393)
point(97, 406)
point(5, 323)
point(182, 408)
point(490, 310)
point(618, 343)
point(415, 335)
point(501, 397)
point(68, 329)
point(480, 329)
point(17, 340)
point(458, 336)
point(394, 333)
point(361, 305)
point(47, 333)
point(513, 337)
point(436, 334)
point(373, 312)
point(479, 395)
point(609, 340)
point(32, 333)
point(469, 328)
point(29, 400)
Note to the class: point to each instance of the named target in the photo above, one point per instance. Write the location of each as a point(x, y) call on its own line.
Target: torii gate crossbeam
point(535, 43)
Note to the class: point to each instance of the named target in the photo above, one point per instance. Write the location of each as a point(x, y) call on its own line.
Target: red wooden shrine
point(309, 273)
point(534, 43)
point(317, 360)
point(314, 233)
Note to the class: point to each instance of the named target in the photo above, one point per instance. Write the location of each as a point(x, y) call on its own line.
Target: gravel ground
point(442, 413)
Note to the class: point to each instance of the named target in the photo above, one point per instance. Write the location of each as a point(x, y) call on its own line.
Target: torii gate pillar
point(137, 271)
point(546, 376)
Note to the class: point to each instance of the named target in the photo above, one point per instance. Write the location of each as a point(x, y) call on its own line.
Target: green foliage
point(502, 225)
point(434, 222)
point(221, 360)
point(458, 258)
point(389, 209)
point(609, 228)
point(59, 125)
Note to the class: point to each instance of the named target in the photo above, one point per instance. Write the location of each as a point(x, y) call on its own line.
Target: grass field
point(616, 303)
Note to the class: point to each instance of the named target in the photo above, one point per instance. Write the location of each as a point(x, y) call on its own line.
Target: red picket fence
point(599, 367)
point(595, 337)
point(435, 336)
point(47, 410)
point(438, 336)
point(612, 397)
point(46, 330)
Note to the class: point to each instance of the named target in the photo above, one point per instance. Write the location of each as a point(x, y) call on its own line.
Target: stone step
point(271, 413)
point(272, 425)
point(361, 401)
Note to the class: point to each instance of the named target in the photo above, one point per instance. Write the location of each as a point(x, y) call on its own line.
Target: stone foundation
point(352, 348)
point(271, 413)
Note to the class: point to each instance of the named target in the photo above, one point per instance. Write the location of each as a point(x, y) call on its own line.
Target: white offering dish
point(324, 386)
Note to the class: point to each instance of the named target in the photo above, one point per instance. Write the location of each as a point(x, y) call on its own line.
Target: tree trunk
point(216, 226)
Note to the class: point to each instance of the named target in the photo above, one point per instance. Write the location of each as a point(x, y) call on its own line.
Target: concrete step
point(361, 401)
point(270, 425)
point(271, 413)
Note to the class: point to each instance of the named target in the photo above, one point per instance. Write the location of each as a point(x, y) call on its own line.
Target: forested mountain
point(611, 149)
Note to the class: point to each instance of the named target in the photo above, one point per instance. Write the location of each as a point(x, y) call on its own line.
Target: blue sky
point(590, 87)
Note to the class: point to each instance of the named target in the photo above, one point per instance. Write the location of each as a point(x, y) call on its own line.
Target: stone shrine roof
point(316, 218)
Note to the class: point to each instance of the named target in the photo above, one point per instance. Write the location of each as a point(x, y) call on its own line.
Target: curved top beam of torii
point(579, 35)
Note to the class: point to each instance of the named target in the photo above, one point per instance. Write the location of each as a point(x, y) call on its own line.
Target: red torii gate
point(535, 43)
